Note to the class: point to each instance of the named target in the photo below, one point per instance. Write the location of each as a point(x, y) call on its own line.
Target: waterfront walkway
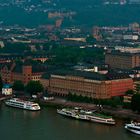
point(2, 98)
point(117, 112)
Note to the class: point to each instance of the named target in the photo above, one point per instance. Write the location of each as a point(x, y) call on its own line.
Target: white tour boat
point(18, 103)
point(133, 127)
point(86, 115)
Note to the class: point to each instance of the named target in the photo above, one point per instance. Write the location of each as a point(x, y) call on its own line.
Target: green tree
point(18, 86)
point(15, 47)
point(1, 83)
point(34, 87)
point(63, 55)
point(129, 92)
point(135, 102)
point(90, 39)
point(138, 88)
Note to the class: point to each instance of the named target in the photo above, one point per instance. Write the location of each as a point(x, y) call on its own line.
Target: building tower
point(96, 33)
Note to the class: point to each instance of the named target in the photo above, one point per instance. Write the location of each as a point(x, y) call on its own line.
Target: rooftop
point(7, 86)
point(36, 68)
point(123, 53)
point(87, 75)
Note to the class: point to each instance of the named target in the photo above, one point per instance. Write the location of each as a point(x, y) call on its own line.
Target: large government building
point(90, 84)
point(122, 60)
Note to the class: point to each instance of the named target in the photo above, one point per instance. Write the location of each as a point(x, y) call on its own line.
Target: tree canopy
point(18, 86)
point(72, 55)
point(12, 48)
point(135, 102)
point(34, 87)
point(1, 83)
point(90, 39)
point(129, 92)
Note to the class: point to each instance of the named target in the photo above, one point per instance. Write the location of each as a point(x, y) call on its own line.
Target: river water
point(18, 124)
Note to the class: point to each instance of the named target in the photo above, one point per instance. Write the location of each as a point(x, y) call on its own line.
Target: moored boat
point(18, 103)
point(133, 127)
point(86, 115)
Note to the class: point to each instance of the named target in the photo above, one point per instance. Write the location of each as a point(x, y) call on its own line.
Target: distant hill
point(89, 13)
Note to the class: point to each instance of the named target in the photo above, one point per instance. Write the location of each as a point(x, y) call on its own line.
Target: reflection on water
point(16, 112)
point(47, 124)
point(101, 129)
point(31, 114)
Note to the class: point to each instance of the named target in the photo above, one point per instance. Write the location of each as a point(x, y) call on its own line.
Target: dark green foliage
point(1, 83)
point(72, 55)
point(79, 98)
point(138, 88)
point(129, 92)
point(135, 102)
point(14, 48)
point(34, 87)
point(113, 102)
point(127, 105)
point(18, 86)
point(90, 39)
point(108, 102)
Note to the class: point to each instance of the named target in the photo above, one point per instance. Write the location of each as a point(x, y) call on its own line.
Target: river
point(18, 124)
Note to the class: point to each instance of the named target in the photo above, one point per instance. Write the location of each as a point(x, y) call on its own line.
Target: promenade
point(2, 98)
point(116, 112)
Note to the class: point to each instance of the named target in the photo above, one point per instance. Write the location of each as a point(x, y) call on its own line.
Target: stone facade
point(99, 89)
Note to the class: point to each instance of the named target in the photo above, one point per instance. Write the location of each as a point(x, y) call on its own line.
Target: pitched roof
point(7, 64)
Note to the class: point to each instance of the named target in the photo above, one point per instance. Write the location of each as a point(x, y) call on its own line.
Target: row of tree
point(79, 98)
point(135, 102)
point(33, 87)
point(113, 102)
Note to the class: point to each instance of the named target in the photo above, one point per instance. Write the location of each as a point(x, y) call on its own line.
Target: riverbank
point(2, 98)
point(115, 112)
